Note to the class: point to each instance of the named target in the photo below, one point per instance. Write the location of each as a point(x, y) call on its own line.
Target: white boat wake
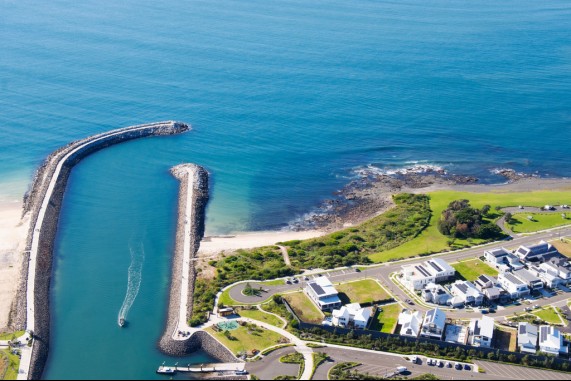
point(133, 282)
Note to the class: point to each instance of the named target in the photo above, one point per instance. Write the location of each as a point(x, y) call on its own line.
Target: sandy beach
point(215, 244)
point(13, 233)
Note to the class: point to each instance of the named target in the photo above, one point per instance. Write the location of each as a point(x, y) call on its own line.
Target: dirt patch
point(505, 340)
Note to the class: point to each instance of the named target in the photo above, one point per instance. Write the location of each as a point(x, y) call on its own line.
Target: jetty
point(204, 368)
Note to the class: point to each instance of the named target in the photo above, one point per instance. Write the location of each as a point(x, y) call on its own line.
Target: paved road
point(382, 272)
point(270, 366)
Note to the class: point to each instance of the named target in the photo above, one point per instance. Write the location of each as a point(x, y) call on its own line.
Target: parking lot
point(511, 372)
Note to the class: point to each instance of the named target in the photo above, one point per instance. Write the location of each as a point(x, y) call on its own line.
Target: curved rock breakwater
point(43, 202)
point(193, 197)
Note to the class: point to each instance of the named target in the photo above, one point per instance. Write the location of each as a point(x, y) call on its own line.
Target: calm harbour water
point(287, 99)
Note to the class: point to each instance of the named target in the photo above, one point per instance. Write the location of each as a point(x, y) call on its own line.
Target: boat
point(166, 370)
point(122, 322)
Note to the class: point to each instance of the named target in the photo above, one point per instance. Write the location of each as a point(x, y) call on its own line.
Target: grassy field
point(4, 336)
point(246, 339)
point(256, 314)
point(549, 315)
point(386, 320)
point(9, 364)
point(363, 291)
point(472, 269)
point(432, 241)
point(541, 221)
point(304, 307)
point(563, 247)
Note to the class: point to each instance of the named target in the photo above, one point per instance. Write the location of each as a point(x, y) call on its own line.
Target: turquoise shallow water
point(287, 98)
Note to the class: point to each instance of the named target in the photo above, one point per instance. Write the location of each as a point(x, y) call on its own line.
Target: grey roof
point(462, 287)
point(500, 252)
point(512, 278)
point(526, 276)
point(435, 266)
point(317, 288)
point(422, 270)
point(543, 333)
point(486, 278)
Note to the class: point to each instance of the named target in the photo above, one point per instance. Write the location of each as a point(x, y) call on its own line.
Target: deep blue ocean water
point(287, 99)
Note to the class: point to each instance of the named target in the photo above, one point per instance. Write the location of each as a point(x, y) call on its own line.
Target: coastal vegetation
point(460, 220)
point(470, 270)
point(256, 314)
point(9, 364)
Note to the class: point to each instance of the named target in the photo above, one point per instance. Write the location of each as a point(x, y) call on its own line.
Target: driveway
point(270, 366)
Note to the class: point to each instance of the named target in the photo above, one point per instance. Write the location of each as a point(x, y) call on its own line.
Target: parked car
point(306, 278)
point(401, 369)
point(458, 366)
point(295, 280)
point(440, 364)
point(287, 281)
point(484, 311)
point(492, 310)
point(431, 362)
point(448, 365)
point(408, 301)
point(467, 367)
point(414, 359)
point(357, 270)
point(536, 306)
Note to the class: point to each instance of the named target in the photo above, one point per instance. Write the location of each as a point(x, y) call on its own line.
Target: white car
point(414, 359)
point(401, 369)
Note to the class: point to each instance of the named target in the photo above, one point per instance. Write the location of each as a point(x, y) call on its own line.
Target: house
point(485, 281)
point(467, 292)
point(527, 337)
point(481, 332)
point(433, 324)
point(456, 334)
point(435, 293)
point(551, 341)
point(527, 277)
point(225, 312)
point(496, 256)
point(410, 323)
point(351, 314)
point(558, 268)
point(536, 253)
point(417, 276)
point(323, 294)
point(502, 259)
point(514, 286)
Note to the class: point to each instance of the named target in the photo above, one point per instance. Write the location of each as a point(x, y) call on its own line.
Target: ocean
point(288, 100)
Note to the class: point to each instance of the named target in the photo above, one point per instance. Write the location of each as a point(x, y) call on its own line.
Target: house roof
point(526, 276)
point(322, 287)
point(493, 292)
point(482, 327)
point(512, 279)
point(486, 278)
point(527, 334)
point(498, 252)
point(549, 336)
point(436, 317)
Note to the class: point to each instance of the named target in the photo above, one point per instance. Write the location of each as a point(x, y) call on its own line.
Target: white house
point(496, 256)
point(323, 294)
point(513, 285)
point(487, 285)
point(527, 277)
point(481, 332)
point(435, 293)
point(410, 323)
point(351, 313)
point(433, 324)
point(551, 340)
point(537, 252)
point(468, 293)
point(527, 337)
point(556, 269)
point(417, 276)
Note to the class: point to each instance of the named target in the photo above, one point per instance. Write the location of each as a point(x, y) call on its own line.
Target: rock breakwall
point(43, 202)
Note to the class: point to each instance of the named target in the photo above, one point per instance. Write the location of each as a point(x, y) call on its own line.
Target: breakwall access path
point(44, 202)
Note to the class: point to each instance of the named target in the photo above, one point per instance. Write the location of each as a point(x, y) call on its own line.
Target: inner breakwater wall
point(43, 202)
point(189, 175)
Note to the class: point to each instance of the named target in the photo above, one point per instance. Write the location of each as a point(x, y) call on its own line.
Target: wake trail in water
point(134, 280)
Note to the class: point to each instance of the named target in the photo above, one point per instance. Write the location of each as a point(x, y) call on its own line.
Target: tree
point(509, 218)
point(486, 209)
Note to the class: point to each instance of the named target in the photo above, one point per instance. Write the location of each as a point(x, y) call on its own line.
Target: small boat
point(122, 322)
point(165, 370)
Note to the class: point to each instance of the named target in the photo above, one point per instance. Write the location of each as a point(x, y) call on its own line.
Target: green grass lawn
point(12, 362)
point(432, 241)
point(472, 269)
point(386, 320)
point(246, 339)
point(548, 314)
point(304, 307)
point(541, 221)
point(363, 291)
point(4, 336)
point(256, 314)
